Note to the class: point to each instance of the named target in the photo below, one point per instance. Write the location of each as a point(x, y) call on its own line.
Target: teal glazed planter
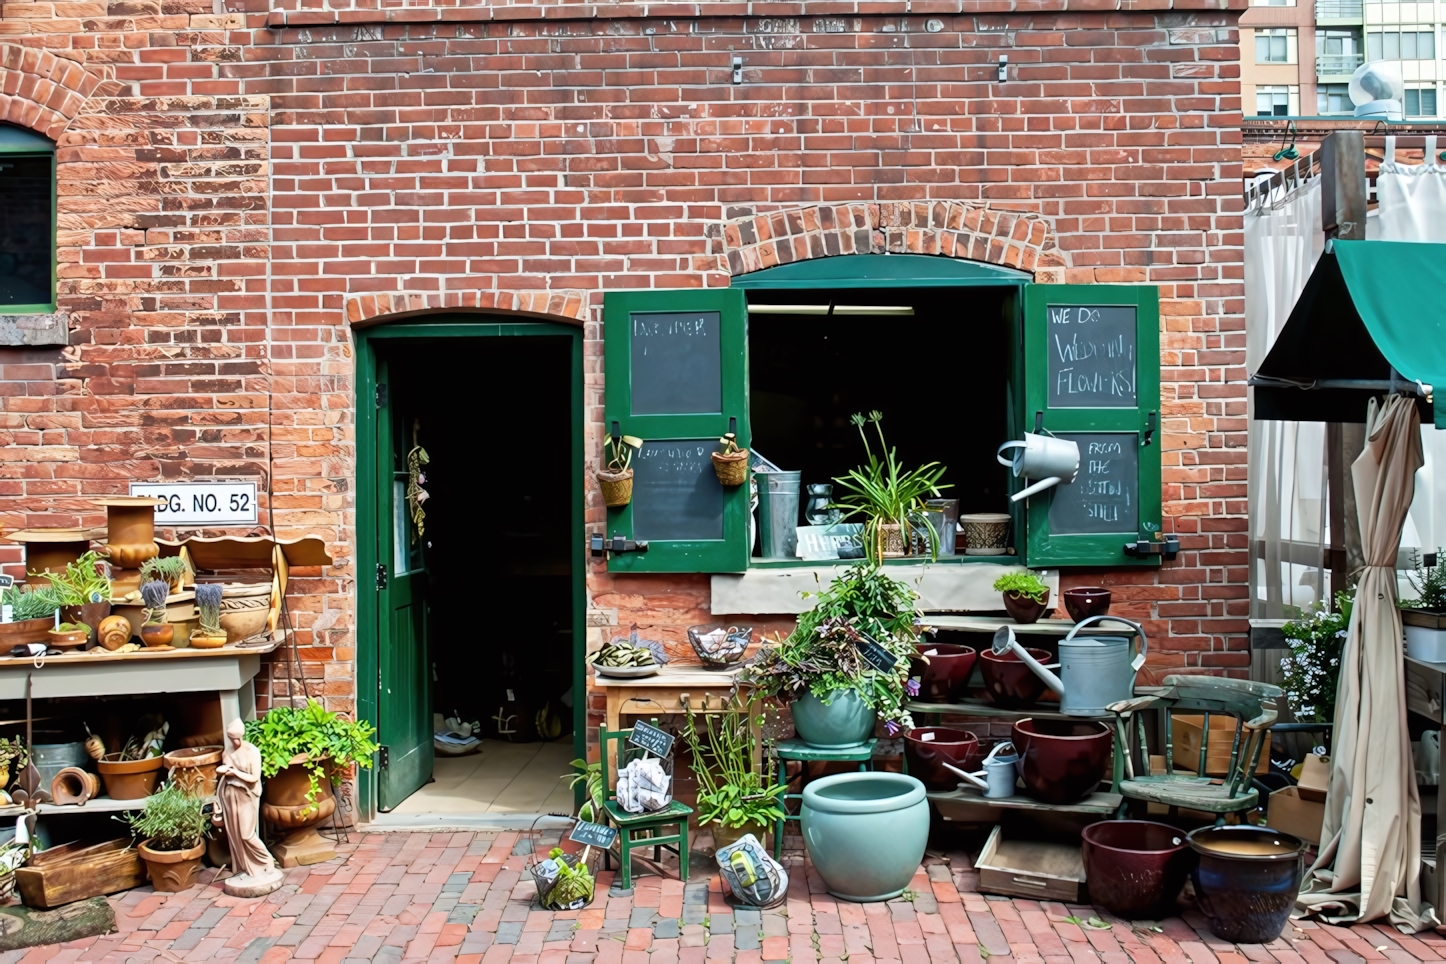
point(844, 722)
point(865, 833)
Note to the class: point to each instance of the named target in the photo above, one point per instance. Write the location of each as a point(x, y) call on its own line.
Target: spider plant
point(887, 494)
point(83, 581)
point(618, 452)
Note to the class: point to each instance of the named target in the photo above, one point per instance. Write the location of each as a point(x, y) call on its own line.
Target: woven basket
point(7, 885)
point(617, 487)
point(732, 468)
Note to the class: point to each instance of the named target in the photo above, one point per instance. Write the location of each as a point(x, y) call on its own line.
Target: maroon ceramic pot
point(1023, 609)
point(943, 678)
point(1136, 868)
point(928, 748)
point(1062, 761)
point(1085, 601)
point(1012, 684)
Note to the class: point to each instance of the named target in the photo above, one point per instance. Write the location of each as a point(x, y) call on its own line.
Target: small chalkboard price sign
point(876, 656)
point(593, 834)
point(655, 741)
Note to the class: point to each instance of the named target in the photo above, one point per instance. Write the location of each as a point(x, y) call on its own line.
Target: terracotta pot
point(1010, 683)
point(943, 678)
point(130, 530)
point(193, 769)
point(283, 798)
point(244, 609)
point(928, 748)
point(129, 779)
point(1023, 609)
point(1082, 602)
point(113, 632)
point(1062, 761)
point(68, 639)
point(1136, 868)
point(157, 635)
point(74, 786)
point(172, 871)
point(25, 631)
point(1246, 881)
point(200, 639)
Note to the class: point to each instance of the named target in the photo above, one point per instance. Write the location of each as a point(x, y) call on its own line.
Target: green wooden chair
point(1204, 696)
point(797, 751)
point(639, 829)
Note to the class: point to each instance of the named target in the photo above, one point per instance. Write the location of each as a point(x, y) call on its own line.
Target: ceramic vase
point(865, 833)
point(844, 721)
point(1246, 881)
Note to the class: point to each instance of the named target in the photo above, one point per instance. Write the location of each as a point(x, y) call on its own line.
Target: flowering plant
point(1310, 673)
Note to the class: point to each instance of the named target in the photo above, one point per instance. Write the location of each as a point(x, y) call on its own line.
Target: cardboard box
point(1290, 814)
point(1187, 730)
point(1315, 778)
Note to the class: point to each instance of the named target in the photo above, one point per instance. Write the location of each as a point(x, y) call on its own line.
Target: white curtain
point(1287, 479)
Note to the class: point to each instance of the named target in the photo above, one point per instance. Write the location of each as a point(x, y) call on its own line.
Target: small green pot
point(845, 721)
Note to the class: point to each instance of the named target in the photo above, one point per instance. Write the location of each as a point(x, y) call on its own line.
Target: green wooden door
point(404, 709)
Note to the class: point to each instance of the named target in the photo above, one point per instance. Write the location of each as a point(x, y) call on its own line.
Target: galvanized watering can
point(1094, 671)
point(998, 776)
point(1046, 459)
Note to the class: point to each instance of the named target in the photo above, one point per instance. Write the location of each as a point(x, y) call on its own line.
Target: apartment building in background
point(1297, 56)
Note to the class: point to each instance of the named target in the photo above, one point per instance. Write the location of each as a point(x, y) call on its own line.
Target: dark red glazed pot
point(1011, 684)
point(943, 678)
point(1083, 602)
point(1136, 868)
point(928, 748)
point(1023, 609)
point(1062, 761)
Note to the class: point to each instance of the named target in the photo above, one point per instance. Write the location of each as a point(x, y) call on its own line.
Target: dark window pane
point(26, 246)
point(1428, 102)
point(1413, 103)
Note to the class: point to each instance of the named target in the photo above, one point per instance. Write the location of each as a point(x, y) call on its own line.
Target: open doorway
point(492, 571)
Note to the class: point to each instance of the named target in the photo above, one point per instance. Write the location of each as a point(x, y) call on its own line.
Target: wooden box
point(1186, 732)
point(1030, 868)
point(1291, 814)
point(75, 871)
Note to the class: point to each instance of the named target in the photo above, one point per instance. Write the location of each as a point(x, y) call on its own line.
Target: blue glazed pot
point(865, 833)
point(843, 722)
point(1246, 881)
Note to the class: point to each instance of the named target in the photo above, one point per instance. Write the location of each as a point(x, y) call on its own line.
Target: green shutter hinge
point(1166, 547)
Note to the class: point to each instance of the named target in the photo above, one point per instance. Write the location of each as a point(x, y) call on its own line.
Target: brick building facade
point(239, 185)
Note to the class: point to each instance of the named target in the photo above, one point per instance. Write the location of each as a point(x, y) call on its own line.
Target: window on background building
point(27, 222)
point(1333, 99)
point(1337, 41)
point(1276, 101)
point(1401, 45)
point(1421, 102)
point(1275, 45)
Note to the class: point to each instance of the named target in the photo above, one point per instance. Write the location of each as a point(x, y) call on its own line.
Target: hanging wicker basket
point(732, 468)
point(617, 487)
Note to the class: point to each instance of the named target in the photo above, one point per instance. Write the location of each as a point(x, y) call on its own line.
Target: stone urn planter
point(865, 833)
point(844, 721)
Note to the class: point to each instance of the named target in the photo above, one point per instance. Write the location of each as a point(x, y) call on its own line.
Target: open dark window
point(27, 222)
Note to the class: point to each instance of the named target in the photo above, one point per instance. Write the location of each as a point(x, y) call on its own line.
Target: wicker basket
point(732, 468)
point(545, 884)
point(617, 487)
point(985, 533)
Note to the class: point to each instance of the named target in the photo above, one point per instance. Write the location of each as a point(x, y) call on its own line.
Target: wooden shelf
point(1045, 627)
point(1043, 711)
point(968, 806)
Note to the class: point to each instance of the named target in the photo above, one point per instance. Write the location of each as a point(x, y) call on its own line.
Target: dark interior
point(940, 378)
point(498, 539)
point(26, 250)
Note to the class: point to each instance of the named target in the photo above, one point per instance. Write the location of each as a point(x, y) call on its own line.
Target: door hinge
point(384, 757)
point(381, 576)
point(381, 395)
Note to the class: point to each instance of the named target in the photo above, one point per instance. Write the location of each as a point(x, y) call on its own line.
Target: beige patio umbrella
point(1370, 856)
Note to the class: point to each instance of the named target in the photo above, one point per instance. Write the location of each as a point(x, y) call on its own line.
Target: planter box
point(1030, 868)
point(75, 871)
point(1425, 634)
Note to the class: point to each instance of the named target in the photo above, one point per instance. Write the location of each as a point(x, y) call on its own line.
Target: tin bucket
point(778, 494)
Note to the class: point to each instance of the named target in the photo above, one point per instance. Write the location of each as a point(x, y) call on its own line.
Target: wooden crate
point(1030, 868)
point(75, 871)
point(1186, 733)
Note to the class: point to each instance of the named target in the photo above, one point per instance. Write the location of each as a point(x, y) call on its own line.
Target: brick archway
point(951, 229)
point(44, 92)
point(374, 309)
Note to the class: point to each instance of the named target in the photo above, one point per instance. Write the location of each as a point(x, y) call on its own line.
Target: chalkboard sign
point(876, 656)
point(655, 741)
point(676, 493)
point(593, 834)
point(677, 360)
point(1103, 496)
point(1091, 352)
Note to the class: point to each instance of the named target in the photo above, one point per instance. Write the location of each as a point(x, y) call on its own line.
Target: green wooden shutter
point(1084, 380)
point(676, 374)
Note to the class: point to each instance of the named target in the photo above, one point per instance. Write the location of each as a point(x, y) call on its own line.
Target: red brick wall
point(234, 195)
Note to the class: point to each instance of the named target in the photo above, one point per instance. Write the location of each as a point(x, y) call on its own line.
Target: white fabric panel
point(1411, 198)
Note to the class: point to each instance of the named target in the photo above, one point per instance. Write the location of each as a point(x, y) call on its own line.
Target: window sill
point(20, 327)
point(942, 587)
point(1004, 560)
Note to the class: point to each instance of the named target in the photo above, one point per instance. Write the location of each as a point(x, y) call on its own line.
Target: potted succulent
point(1026, 596)
point(69, 635)
point(1425, 616)
point(209, 635)
point(615, 478)
point(173, 827)
point(156, 633)
point(32, 614)
point(889, 497)
point(169, 569)
point(732, 798)
point(731, 464)
point(305, 751)
point(837, 694)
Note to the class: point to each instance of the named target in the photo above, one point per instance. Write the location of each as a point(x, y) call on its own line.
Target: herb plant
point(1025, 584)
point(83, 581)
point(31, 601)
point(730, 791)
point(1430, 585)
point(208, 604)
point(884, 493)
point(168, 568)
point(1310, 673)
point(172, 819)
point(330, 743)
point(154, 594)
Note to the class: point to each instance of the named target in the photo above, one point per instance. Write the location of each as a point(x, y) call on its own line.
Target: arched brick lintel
point(566, 306)
point(43, 92)
point(952, 229)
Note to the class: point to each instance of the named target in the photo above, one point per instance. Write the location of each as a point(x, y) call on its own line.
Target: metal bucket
point(778, 496)
point(51, 758)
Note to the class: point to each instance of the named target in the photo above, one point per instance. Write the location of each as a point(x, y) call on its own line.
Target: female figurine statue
point(238, 798)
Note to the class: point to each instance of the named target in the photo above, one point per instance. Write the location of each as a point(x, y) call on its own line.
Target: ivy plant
point(328, 742)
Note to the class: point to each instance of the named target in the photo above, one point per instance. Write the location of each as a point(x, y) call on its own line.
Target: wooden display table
point(675, 690)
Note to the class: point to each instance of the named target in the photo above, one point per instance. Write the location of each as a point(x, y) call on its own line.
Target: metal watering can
point(1094, 671)
point(1048, 459)
point(997, 777)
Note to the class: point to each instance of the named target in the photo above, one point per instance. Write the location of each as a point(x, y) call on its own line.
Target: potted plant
point(1310, 673)
point(732, 798)
point(837, 694)
point(134, 772)
point(615, 478)
point(156, 633)
point(32, 614)
point(82, 589)
point(69, 635)
point(1026, 597)
point(13, 758)
point(1425, 616)
point(173, 827)
point(209, 635)
point(306, 750)
point(889, 497)
point(169, 569)
point(731, 464)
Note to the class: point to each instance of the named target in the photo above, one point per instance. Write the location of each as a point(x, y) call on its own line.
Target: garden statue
point(238, 796)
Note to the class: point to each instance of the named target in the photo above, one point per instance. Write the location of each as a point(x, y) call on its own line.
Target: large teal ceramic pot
point(865, 833)
point(845, 721)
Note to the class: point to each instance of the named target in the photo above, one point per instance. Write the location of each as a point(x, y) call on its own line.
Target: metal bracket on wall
point(1166, 547)
point(599, 544)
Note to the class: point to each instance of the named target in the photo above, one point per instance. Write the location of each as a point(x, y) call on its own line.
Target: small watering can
point(1045, 458)
point(997, 777)
point(1094, 671)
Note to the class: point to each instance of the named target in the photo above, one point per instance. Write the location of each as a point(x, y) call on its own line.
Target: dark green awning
point(1372, 317)
point(882, 271)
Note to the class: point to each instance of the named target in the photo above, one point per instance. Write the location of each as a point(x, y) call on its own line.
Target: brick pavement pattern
point(465, 898)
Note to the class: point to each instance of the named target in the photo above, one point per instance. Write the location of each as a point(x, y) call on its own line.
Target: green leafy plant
point(208, 604)
point(1025, 584)
point(1429, 583)
point(171, 819)
point(1310, 674)
point(31, 601)
point(71, 628)
point(170, 569)
point(330, 742)
point(590, 775)
point(730, 791)
point(884, 493)
point(83, 581)
point(13, 753)
point(821, 656)
point(618, 452)
point(154, 594)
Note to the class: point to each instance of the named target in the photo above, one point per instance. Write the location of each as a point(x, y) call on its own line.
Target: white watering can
point(1094, 671)
point(997, 777)
point(1045, 458)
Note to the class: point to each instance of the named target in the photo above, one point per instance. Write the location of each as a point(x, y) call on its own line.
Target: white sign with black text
point(202, 503)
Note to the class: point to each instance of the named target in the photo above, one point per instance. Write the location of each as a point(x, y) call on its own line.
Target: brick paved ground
point(464, 898)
